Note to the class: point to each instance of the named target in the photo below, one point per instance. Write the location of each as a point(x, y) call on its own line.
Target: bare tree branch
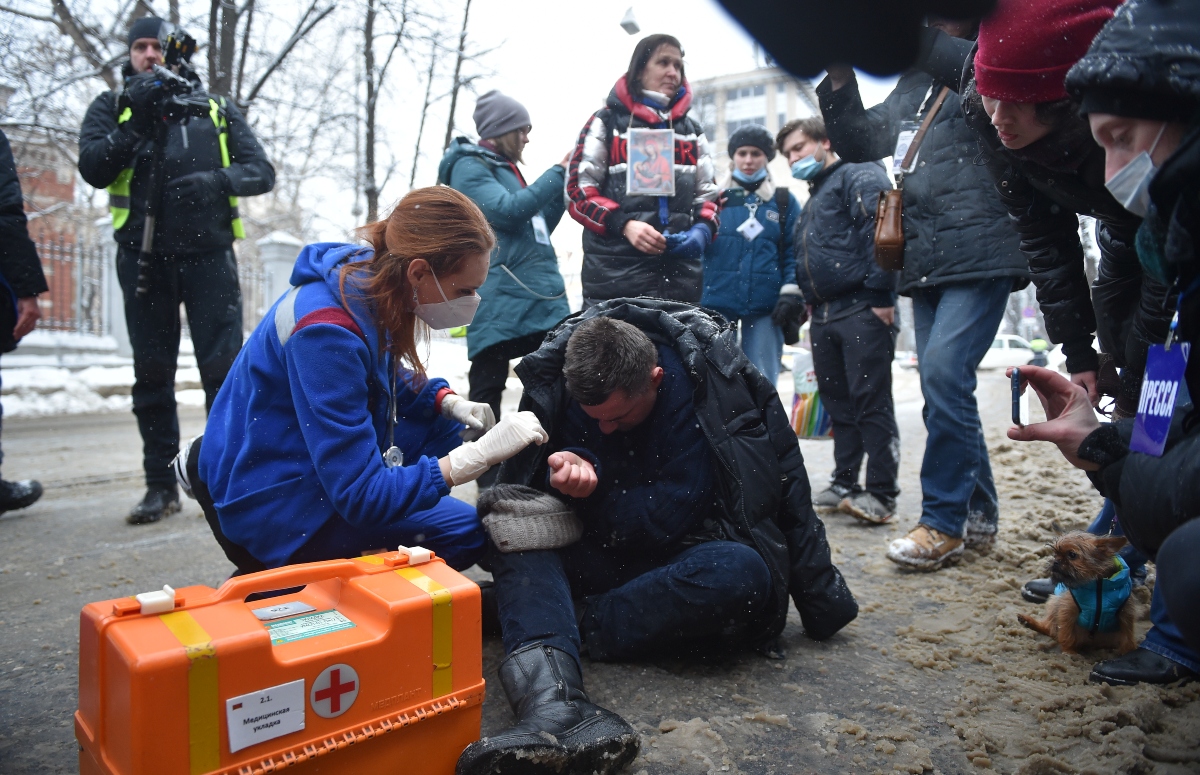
point(462, 43)
point(74, 30)
point(300, 32)
point(28, 15)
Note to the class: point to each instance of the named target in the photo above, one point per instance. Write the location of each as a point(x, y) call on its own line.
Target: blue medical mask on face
point(1131, 185)
point(755, 177)
point(806, 168)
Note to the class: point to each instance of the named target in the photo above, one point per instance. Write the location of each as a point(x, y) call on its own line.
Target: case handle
point(239, 587)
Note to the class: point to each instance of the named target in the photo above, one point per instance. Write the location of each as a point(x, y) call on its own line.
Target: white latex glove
point(477, 417)
point(514, 432)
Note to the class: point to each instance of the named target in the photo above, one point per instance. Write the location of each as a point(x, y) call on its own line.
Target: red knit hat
point(1026, 47)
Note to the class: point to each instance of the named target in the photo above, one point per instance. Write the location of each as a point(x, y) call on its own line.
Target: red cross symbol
point(338, 686)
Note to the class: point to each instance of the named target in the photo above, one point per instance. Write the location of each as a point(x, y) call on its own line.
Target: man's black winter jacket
point(20, 268)
point(834, 242)
point(763, 499)
point(955, 227)
point(106, 148)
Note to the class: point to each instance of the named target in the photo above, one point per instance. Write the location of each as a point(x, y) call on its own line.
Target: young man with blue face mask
point(853, 320)
point(750, 268)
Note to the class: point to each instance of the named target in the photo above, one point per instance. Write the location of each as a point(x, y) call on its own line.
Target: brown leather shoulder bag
point(889, 213)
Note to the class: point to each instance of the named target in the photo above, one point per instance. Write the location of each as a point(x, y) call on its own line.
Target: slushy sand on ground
point(935, 676)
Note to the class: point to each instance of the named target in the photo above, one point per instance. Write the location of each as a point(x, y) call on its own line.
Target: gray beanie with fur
point(498, 114)
point(522, 519)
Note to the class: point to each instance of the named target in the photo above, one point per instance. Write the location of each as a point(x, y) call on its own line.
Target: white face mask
point(446, 313)
point(1131, 185)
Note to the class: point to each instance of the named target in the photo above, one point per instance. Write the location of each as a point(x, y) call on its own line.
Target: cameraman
point(209, 162)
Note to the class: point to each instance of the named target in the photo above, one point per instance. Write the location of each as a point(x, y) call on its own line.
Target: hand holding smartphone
point(1020, 401)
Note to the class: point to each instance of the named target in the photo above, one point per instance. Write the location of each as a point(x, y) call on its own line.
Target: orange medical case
point(374, 666)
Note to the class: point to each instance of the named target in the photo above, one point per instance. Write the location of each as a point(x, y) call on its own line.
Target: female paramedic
point(327, 439)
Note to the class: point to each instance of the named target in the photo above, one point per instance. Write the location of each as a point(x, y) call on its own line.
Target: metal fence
point(82, 278)
point(76, 276)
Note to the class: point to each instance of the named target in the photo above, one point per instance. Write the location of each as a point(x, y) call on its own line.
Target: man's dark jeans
point(207, 286)
point(634, 606)
point(853, 360)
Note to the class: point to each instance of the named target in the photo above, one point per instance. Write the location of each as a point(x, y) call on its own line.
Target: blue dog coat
point(1099, 601)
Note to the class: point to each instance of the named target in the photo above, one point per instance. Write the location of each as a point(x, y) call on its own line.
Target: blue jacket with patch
point(296, 434)
point(742, 277)
point(1114, 591)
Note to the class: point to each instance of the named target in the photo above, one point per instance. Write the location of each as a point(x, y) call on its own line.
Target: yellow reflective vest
point(119, 189)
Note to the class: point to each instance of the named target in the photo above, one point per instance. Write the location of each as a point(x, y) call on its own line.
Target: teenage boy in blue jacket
point(750, 267)
point(853, 326)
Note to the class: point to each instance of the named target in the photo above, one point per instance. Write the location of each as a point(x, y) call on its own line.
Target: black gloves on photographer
point(198, 190)
point(790, 313)
point(143, 93)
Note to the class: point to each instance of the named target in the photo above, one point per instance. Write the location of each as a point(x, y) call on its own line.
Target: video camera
point(179, 102)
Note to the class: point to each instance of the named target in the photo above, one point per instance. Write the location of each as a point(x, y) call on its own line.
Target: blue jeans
point(634, 605)
point(955, 324)
point(762, 341)
point(1164, 637)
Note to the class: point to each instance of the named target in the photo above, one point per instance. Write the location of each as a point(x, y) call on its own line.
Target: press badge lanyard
point(1165, 367)
point(393, 457)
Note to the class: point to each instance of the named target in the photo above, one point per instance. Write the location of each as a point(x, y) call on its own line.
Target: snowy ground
point(934, 676)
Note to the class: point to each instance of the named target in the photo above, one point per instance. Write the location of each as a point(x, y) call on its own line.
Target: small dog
point(1091, 606)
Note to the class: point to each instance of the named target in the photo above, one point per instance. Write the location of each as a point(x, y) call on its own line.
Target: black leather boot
point(158, 502)
point(1139, 666)
point(558, 729)
point(1038, 590)
point(18, 495)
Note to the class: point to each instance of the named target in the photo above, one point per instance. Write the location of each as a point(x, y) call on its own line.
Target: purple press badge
point(1164, 372)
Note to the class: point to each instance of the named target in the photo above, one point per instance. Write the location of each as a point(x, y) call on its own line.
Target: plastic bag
point(809, 418)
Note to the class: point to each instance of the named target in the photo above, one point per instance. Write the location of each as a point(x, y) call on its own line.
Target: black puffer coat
point(596, 176)
point(955, 226)
point(835, 241)
point(1152, 49)
point(20, 268)
point(1045, 187)
point(762, 487)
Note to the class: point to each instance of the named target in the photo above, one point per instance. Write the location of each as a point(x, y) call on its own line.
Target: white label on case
point(272, 612)
point(265, 715)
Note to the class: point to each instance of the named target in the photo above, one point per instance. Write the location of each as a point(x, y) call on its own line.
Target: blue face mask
point(756, 177)
point(806, 168)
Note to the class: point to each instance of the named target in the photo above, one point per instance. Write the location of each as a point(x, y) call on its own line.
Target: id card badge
point(1160, 386)
point(750, 228)
point(908, 130)
point(540, 232)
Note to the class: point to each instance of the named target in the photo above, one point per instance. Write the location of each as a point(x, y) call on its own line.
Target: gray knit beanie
point(522, 519)
point(497, 114)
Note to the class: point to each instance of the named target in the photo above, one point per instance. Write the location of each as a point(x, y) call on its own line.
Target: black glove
point(198, 190)
point(143, 95)
point(789, 314)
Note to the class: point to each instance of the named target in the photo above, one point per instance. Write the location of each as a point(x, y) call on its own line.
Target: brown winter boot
point(925, 549)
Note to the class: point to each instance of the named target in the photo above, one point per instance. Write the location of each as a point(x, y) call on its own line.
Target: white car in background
point(1007, 350)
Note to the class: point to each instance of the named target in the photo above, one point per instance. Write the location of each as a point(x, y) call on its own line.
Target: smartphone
point(734, 197)
point(1020, 401)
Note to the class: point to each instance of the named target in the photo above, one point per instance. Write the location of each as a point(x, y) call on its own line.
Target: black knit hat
point(1145, 63)
point(755, 135)
point(145, 27)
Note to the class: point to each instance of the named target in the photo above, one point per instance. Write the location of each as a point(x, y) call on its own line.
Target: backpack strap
point(783, 200)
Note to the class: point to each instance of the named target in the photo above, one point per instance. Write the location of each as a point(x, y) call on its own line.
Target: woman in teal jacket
point(750, 269)
point(524, 296)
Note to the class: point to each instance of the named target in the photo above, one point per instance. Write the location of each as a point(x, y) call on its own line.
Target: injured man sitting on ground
point(669, 514)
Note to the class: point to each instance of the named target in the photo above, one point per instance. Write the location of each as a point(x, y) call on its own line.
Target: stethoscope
point(393, 458)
